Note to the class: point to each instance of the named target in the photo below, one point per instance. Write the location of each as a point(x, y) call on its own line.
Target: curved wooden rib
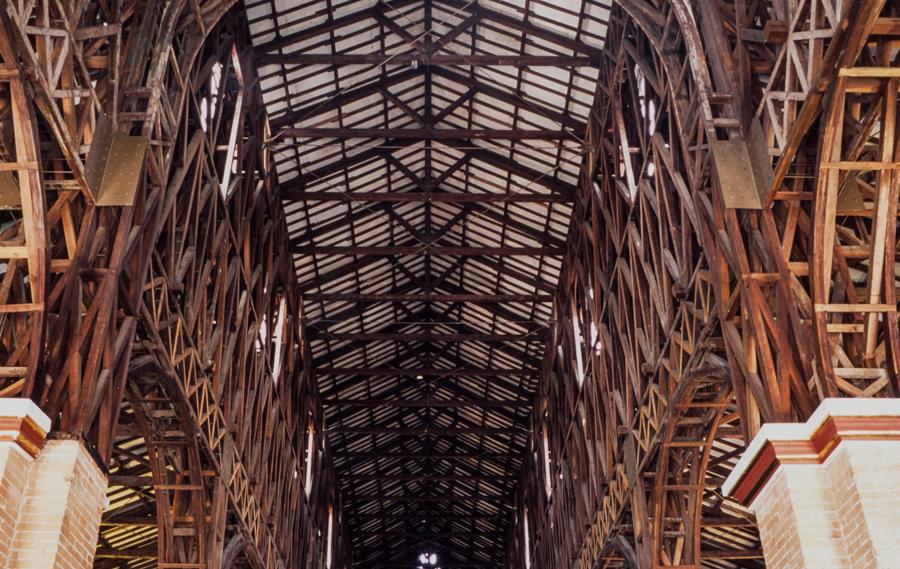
point(804, 302)
point(237, 548)
point(180, 488)
point(680, 486)
point(23, 251)
point(854, 220)
point(188, 280)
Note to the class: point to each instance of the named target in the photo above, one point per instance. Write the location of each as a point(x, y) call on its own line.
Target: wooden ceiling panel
point(428, 153)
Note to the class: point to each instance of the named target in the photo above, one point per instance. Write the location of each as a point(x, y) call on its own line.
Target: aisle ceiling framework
point(427, 155)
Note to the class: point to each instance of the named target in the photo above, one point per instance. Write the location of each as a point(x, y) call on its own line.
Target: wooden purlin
point(176, 298)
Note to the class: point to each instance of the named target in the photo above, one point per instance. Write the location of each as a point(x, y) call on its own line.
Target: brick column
point(23, 429)
point(826, 493)
point(51, 494)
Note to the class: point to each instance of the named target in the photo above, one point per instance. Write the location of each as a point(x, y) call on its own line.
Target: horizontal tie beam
point(424, 197)
point(437, 250)
point(428, 133)
point(403, 59)
point(426, 403)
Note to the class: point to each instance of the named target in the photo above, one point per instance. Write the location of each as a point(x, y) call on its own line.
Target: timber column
point(826, 493)
point(51, 494)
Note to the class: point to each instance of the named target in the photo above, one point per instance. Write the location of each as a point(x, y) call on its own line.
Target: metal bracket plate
point(114, 164)
point(744, 168)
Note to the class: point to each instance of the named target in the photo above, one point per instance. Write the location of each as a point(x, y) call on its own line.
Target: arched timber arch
point(691, 94)
point(173, 284)
point(23, 295)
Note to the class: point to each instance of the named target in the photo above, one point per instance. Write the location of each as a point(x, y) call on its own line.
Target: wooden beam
point(311, 176)
point(321, 280)
point(421, 477)
point(426, 402)
point(317, 230)
point(132, 553)
point(424, 498)
point(428, 133)
point(425, 59)
point(424, 197)
point(426, 455)
point(424, 515)
point(464, 26)
point(333, 101)
point(546, 179)
point(451, 565)
point(426, 297)
point(456, 565)
point(522, 25)
point(511, 98)
point(426, 430)
point(422, 337)
point(425, 371)
point(470, 151)
point(732, 554)
point(439, 250)
point(326, 27)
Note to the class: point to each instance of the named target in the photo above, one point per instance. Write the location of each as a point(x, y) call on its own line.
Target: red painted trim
point(24, 432)
point(813, 451)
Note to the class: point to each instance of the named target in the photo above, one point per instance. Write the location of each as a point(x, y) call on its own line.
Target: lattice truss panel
point(731, 261)
point(149, 304)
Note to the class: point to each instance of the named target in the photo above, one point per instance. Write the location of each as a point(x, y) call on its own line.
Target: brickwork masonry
point(52, 494)
point(826, 493)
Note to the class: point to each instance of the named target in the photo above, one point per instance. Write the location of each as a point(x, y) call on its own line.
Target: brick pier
point(826, 492)
point(51, 494)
